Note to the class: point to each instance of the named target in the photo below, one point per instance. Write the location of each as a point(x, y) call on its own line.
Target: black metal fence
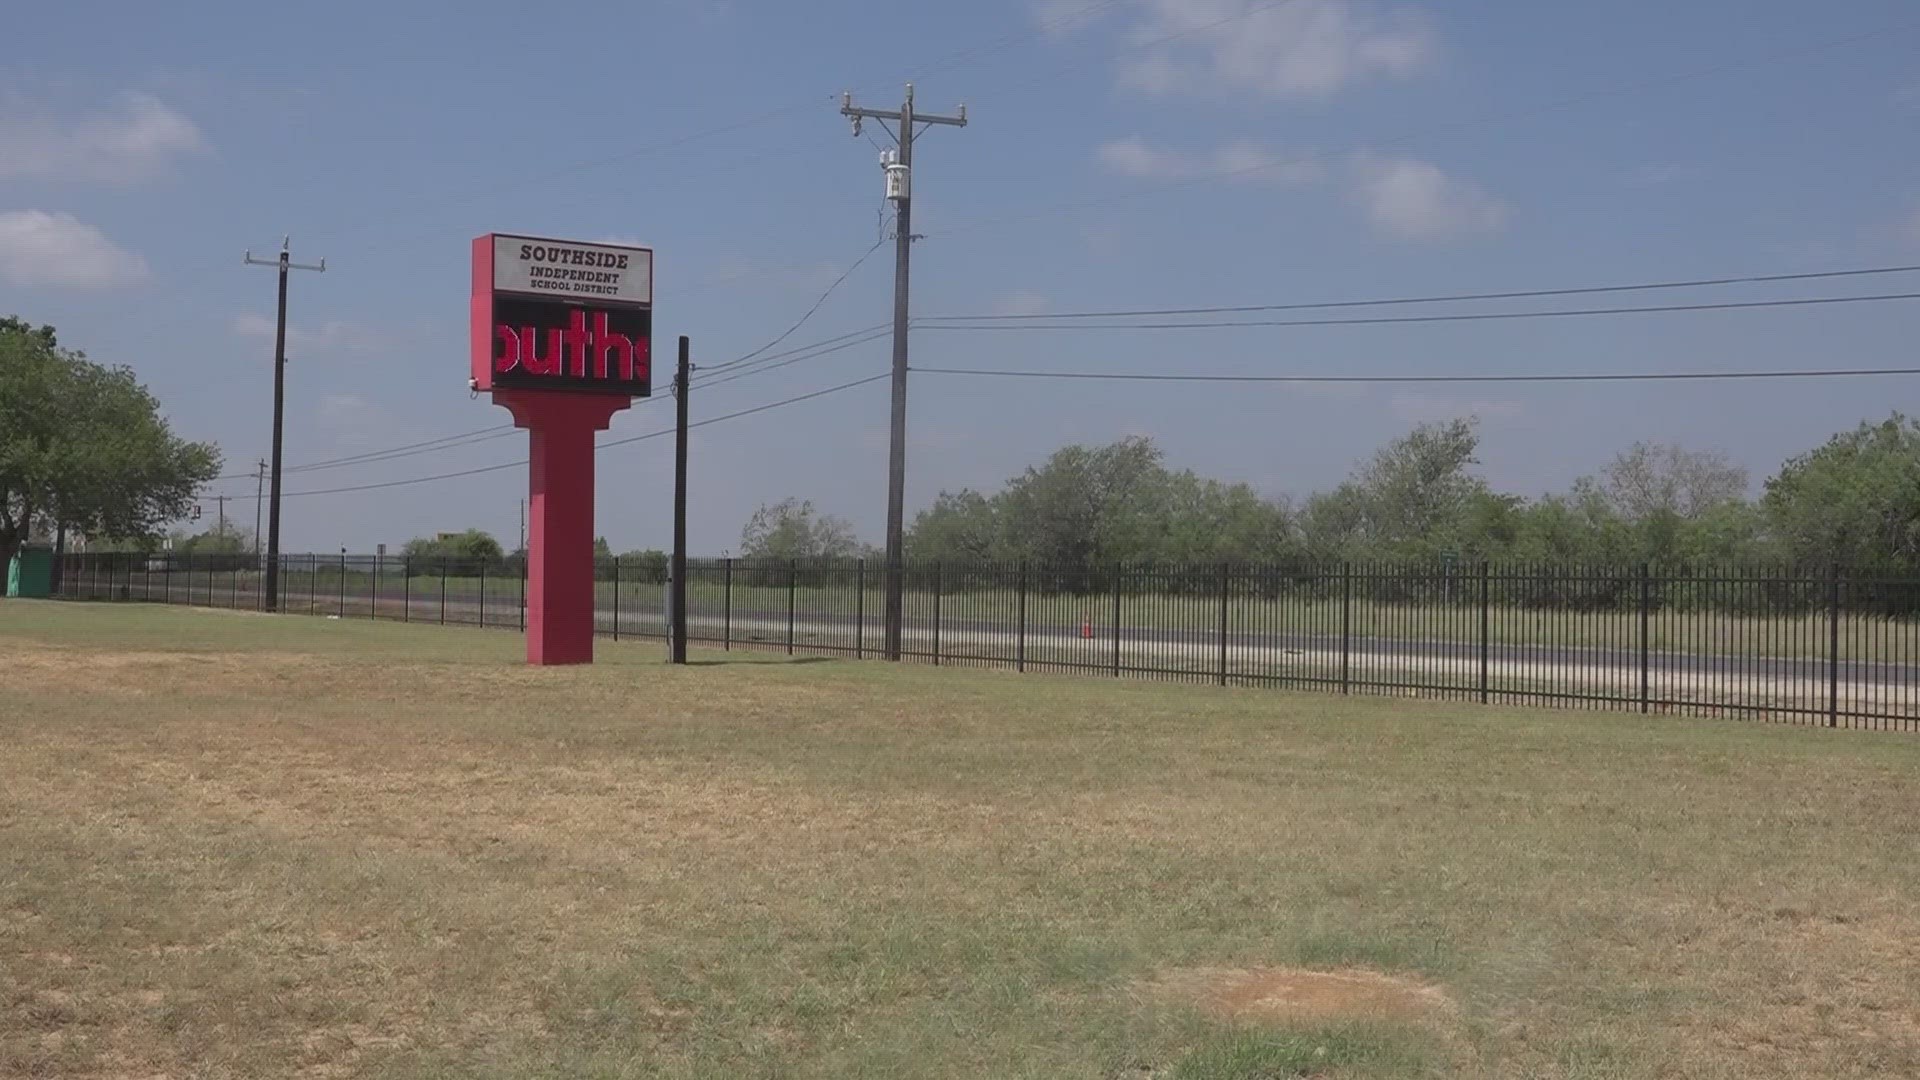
point(1828, 647)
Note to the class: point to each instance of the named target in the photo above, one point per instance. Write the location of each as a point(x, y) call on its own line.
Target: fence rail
point(1786, 644)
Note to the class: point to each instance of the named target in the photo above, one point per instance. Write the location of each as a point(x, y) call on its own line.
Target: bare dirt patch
point(1280, 993)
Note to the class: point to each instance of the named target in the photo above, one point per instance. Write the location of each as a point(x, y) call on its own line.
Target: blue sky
point(1131, 153)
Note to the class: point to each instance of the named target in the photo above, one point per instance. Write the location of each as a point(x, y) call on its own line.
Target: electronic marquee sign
point(561, 315)
point(561, 336)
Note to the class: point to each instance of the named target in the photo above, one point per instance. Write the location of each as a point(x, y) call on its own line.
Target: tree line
point(1853, 501)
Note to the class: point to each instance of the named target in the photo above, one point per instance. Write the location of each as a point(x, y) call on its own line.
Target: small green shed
point(30, 573)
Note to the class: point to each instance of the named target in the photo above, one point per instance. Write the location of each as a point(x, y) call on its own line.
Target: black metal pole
point(616, 598)
point(678, 599)
point(1346, 627)
point(936, 613)
point(1486, 615)
point(1646, 612)
point(443, 590)
point(726, 609)
point(1833, 645)
point(1020, 632)
point(859, 605)
point(1116, 620)
point(793, 585)
point(1225, 586)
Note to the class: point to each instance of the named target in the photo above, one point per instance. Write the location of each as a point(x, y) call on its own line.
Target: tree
point(228, 540)
point(84, 446)
point(1854, 500)
point(1087, 507)
point(1649, 480)
point(1416, 491)
point(793, 529)
point(962, 525)
point(647, 565)
point(474, 547)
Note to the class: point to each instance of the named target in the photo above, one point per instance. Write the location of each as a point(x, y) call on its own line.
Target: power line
point(1480, 316)
point(448, 442)
point(463, 439)
point(616, 442)
point(873, 334)
point(844, 275)
point(1649, 376)
point(1696, 283)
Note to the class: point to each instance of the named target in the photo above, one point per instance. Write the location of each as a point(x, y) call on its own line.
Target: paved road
point(1798, 682)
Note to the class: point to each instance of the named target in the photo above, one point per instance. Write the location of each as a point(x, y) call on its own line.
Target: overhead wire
point(602, 446)
point(1449, 298)
point(1476, 316)
point(1648, 376)
point(808, 314)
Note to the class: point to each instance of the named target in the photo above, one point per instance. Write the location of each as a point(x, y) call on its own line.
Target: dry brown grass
point(250, 847)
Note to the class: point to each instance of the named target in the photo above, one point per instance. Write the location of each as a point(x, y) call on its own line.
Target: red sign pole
point(560, 600)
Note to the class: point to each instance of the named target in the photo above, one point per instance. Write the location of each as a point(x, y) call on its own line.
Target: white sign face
point(571, 270)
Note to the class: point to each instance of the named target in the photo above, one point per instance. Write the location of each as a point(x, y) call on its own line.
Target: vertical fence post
point(233, 586)
point(616, 598)
point(793, 588)
point(443, 590)
point(1486, 618)
point(373, 608)
point(166, 579)
point(343, 585)
point(859, 605)
point(313, 582)
point(1116, 620)
point(523, 590)
point(1646, 615)
point(1346, 627)
point(1225, 588)
point(726, 611)
point(936, 612)
point(146, 579)
point(1020, 634)
point(1833, 645)
point(483, 591)
point(406, 590)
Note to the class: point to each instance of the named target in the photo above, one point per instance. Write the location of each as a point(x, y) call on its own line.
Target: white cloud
point(1300, 48)
point(333, 336)
point(1021, 303)
point(51, 247)
point(133, 141)
point(1413, 200)
point(1240, 160)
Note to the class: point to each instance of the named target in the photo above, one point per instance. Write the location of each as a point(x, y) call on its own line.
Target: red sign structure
point(562, 336)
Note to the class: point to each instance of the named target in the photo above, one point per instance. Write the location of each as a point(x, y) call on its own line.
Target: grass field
point(241, 845)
